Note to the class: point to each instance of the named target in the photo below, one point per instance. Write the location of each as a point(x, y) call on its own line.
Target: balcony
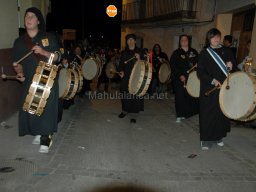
point(159, 12)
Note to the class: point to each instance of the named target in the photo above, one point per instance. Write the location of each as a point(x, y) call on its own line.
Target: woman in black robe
point(130, 103)
point(43, 45)
point(158, 57)
point(213, 124)
point(181, 61)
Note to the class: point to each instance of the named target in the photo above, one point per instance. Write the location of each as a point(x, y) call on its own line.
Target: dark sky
point(88, 17)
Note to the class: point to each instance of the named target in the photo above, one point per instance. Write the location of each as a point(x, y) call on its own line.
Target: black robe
point(130, 103)
point(213, 124)
point(181, 61)
point(29, 124)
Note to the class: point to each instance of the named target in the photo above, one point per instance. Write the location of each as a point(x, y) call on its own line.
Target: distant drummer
point(182, 60)
point(130, 104)
point(158, 58)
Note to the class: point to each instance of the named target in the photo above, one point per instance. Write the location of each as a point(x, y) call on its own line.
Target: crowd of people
point(213, 64)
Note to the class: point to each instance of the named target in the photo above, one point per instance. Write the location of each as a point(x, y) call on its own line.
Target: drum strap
point(218, 60)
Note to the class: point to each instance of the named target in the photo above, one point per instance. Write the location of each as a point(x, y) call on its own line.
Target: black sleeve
point(177, 72)
point(202, 72)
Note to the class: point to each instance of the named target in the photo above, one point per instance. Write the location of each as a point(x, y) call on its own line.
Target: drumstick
point(212, 90)
point(8, 77)
point(227, 86)
point(184, 84)
point(129, 59)
point(24, 57)
point(192, 68)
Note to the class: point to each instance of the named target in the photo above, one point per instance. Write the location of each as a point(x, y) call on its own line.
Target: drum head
point(164, 73)
point(193, 85)
point(90, 69)
point(238, 101)
point(63, 84)
point(110, 70)
point(135, 78)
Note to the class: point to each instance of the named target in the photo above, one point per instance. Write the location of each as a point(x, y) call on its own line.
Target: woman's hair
point(184, 35)
point(154, 48)
point(210, 34)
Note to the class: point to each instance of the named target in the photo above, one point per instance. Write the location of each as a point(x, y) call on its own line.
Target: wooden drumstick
point(24, 57)
point(212, 90)
point(8, 77)
point(227, 86)
point(192, 68)
point(129, 59)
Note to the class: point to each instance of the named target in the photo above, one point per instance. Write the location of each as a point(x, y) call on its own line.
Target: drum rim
point(72, 92)
point(29, 100)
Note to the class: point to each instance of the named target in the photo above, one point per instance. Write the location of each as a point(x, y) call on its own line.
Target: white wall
point(9, 23)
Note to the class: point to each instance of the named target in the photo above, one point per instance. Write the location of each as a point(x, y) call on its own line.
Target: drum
point(111, 70)
point(78, 70)
point(91, 69)
point(140, 78)
point(40, 88)
point(239, 101)
point(193, 84)
point(164, 73)
point(68, 83)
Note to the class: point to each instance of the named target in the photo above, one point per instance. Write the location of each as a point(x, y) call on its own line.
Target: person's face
point(226, 43)
point(31, 21)
point(77, 51)
point(184, 42)
point(131, 43)
point(64, 61)
point(157, 49)
point(215, 41)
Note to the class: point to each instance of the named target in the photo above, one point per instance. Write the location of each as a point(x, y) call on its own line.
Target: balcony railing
point(141, 11)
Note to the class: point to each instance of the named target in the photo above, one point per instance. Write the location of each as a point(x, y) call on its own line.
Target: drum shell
point(140, 78)
point(193, 84)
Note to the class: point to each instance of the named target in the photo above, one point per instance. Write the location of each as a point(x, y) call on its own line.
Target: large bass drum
point(68, 83)
point(164, 73)
point(40, 88)
point(193, 84)
point(91, 68)
point(239, 101)
point(140, 78)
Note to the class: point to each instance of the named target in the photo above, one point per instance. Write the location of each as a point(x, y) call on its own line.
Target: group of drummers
point(197, 79)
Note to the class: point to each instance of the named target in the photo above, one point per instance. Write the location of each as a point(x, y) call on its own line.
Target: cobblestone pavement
point(95, 149)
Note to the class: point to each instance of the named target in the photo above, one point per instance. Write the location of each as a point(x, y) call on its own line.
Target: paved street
point(94, 149)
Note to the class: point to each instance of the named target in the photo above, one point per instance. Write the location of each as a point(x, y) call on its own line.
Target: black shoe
point(133, 120)
point(122, 115)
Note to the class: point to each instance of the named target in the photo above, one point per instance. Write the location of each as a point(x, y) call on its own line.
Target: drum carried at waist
point(40, 88)
point(91, 68)
point(78, 69)
point(111, 71)
point(193, 84)
point(68, 83)
point(140, 78)
point(238, 102)
point(164, 73)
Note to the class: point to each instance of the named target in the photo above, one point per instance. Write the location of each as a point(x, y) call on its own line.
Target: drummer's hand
point(121, 73)
point(39, 50)
point(182, 78)
point(229, 65)
point(20, 77)
point(216, 83)
point(137, 56)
